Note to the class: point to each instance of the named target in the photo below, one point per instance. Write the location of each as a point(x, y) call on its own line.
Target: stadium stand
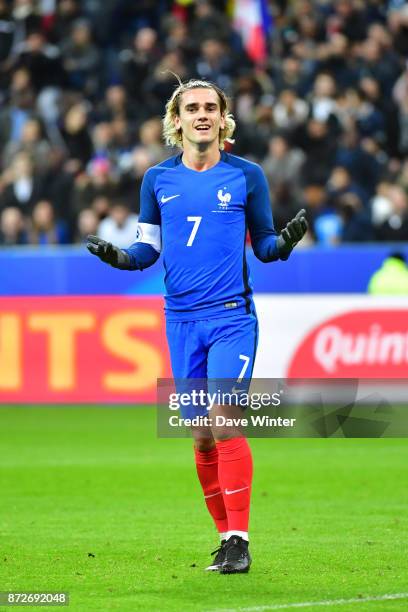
point(83, 87)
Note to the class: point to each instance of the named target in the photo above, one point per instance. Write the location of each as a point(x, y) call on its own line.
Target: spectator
point(326, 222)
point(328, 228)
point(209, 23)
point(131, 180)
point(315, 199)
point(341, 183)
point(26, 19)
point(67, 12)
point(75, 135)
point(289, 73)
point(320, 149)
point(138, 62)
point(381, 206)
point(100, 205)
point(362, 166)
point(403, 176)
point(355, 219)
point(323, 97)
point(336, 56)
point(45, 229)
point(180, 39)
point(42, 60)
point(305, 43)
point(120, 226)
point(150, 137)
point(248, 94)
point(103, 142)
point(386, 106)
point(397, 21)
point(98, 181)
point(349, 19)
point(290, 112)
point(122, 142)
point(391, 278)
point(7, 29)
point(20, 108)
point(395, 227)
point(161, 83)
point(33, 143)
point(215, 63)
point(283, 166)
point(81, 59)
point(115, 105)
point(23, 186)
point(400, 96)
point(383, 66)
point(88, 223)
point(12, 227)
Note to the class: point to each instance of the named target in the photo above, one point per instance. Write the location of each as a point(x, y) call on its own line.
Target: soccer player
point(195, 209)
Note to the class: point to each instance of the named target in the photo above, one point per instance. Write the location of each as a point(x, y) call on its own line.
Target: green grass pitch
point(93, 503)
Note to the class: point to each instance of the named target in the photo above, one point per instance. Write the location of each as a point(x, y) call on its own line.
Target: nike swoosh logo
point(164, 200)
point(235, 491)
point(212, 495)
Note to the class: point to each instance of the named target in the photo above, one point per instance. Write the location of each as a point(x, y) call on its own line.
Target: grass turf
point(94, 504)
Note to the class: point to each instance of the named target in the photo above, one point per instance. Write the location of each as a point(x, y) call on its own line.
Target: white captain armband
point(149, 234)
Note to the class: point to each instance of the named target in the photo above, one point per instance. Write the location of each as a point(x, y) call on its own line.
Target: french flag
point(253, 22)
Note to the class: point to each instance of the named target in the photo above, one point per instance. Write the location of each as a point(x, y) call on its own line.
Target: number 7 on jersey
point(196, 221)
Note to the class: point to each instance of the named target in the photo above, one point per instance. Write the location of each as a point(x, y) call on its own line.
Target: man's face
point(200, 117)
point(119, 214)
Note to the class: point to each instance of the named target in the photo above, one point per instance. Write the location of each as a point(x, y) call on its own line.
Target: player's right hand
point(107, 252)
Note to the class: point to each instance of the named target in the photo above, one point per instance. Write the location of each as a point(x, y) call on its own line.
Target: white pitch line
point(308, 604)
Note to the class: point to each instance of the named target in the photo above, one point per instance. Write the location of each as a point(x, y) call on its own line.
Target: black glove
point(291, 234)
point(108, 253)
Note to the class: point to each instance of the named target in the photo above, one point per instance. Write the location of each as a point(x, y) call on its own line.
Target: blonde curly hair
point(174, 137)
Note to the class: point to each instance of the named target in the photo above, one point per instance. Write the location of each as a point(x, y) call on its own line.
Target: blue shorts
point(221, 351)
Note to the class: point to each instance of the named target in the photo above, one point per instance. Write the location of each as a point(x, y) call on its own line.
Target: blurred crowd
point(83, 86)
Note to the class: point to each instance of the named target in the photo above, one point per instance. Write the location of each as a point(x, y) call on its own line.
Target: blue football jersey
point(198, 221)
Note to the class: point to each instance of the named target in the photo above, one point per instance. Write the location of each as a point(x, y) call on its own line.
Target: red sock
point(235, 477)
point(207, 470)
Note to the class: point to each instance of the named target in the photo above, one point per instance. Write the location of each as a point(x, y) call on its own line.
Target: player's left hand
point(292, 233)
